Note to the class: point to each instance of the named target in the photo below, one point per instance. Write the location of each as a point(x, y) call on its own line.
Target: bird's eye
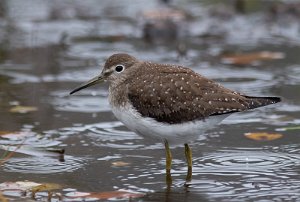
point(119, 68)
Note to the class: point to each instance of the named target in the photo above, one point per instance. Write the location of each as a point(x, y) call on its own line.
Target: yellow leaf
point(45, 187)
point(263, 136)
point(120, 163)
point(23, 109)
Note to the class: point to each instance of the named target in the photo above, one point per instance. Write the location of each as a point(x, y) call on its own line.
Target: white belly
point(174, 133)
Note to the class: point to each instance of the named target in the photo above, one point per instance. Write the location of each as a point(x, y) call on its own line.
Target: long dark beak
point(93, 81)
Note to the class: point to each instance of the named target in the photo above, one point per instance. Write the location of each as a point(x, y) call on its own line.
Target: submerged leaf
point(251, 58)
point(23, 109)
point(263, 136)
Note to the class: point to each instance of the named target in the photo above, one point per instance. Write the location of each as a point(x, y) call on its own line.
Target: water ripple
point(246, 162)
point(43, 165)
point(248, 174)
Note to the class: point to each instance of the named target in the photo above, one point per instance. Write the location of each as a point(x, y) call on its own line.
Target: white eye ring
point(119, 68)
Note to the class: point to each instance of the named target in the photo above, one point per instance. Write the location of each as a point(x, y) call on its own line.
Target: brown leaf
point(251, 58)
point(120, 163)
point(22, 109)
point(105, 195)
point(115, 194)
point(263, 136)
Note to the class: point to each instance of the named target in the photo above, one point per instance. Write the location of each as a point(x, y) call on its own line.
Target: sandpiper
point(168, 102)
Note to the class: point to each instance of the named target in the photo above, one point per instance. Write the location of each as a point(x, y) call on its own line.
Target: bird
point(168, 102)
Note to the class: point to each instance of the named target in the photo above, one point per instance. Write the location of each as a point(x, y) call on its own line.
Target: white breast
point(174, 133)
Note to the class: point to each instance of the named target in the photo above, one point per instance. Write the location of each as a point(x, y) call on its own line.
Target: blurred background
point(58, 147)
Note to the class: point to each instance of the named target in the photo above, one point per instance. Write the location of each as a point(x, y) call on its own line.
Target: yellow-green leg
point(168, 163)
point(188, 156)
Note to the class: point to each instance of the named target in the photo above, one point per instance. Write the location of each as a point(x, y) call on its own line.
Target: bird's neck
point(118, 94)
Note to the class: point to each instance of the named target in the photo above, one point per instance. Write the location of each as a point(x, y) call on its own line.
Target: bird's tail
point(254, 102)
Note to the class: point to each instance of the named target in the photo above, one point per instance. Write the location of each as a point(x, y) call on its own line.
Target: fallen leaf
point(22, 109)
point(45, 187)
point(115, 194)
point(120, 163)
point(105, 195)
point(263, 136)
point(251, 58)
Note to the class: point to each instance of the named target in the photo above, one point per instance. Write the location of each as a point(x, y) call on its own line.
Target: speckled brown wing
point(174, 94)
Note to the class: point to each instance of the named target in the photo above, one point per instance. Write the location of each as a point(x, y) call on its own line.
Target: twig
point(10, 154)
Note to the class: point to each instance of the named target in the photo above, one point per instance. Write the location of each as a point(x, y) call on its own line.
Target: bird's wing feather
point(176, 95)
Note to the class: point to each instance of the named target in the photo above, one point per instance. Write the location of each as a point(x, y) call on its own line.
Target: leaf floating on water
point(120, 163)
point(45, 187)
point(23, 109)
point(105, 195)
point(251, 58)
point(115, 194)
point(263, 136)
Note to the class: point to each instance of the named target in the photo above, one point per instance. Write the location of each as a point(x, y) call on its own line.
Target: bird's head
point(115, 68)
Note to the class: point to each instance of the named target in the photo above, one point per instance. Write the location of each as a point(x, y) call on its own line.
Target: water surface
point(48, 48)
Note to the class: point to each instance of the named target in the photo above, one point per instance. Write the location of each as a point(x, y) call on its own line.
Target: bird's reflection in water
point(173, 193)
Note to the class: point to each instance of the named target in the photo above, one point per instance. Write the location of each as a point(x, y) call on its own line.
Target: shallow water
point(50, 48)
